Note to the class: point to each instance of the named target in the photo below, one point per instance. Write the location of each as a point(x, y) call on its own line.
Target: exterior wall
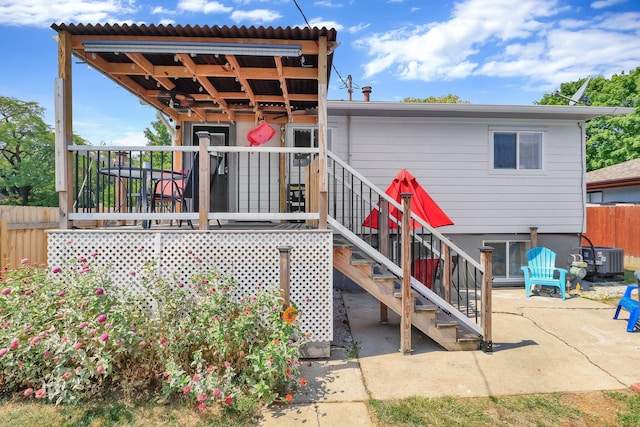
point(451, 159)
point(630, 194)
point(252, 258)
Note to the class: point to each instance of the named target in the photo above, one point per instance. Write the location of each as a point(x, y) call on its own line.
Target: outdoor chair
point(541, 270)
point(631, 305)
point(168, 193)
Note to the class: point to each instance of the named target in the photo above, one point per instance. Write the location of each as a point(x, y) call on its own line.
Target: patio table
point(147, 176)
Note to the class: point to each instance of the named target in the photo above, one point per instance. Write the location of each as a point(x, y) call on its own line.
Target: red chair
point(168, 193)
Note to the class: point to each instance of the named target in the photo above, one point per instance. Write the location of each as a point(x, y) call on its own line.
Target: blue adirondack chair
point(541, 270)
point(631, 305)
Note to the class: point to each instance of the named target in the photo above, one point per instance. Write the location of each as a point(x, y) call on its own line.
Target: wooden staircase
point(385, 287)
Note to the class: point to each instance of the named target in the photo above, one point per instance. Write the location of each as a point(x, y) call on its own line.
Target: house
point(498, 171)
point(615, 184)
point(292, 176)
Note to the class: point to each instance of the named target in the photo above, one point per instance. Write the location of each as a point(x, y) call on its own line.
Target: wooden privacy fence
point(22, 234)
point(616, 226)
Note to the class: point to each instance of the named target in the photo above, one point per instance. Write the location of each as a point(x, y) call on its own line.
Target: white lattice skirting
point(252, 258)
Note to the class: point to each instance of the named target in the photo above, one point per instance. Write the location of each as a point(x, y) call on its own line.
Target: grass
point(559, 409)
point(122, 413)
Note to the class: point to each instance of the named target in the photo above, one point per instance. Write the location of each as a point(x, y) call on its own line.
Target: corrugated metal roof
point(222, 87)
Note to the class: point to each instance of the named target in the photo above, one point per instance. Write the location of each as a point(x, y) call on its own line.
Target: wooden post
point(383, 245)
point(204, 178)
point(405, 324)
point(447, 267)
point(285, 258)
point(64, 131)
point(4, 243)
point(486, 254)
point(323, 183)
point(534, 236)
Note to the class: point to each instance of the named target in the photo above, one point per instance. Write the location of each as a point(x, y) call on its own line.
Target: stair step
point(414, 294)
point(467, 337)
point(447, 325)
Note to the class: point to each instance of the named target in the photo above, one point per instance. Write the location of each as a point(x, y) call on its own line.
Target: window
point(517, 150)
point(594, 197)
point(508, 257)
point(306, 137)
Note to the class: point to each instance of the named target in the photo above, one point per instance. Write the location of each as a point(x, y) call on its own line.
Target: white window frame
point(518, 132)
point(509, 276)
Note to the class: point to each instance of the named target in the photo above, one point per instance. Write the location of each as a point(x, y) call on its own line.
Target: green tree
point(614, 139)
point(444, 99)
point(26, 155)
point(159, 134)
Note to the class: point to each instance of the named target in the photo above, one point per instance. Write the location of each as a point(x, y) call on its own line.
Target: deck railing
point(146, 185)
point(441, 271)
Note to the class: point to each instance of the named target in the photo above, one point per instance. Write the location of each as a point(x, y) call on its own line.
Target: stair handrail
point(398, 206)
point(396, 270)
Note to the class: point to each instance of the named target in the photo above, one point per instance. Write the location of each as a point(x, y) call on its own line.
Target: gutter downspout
point(583, 155)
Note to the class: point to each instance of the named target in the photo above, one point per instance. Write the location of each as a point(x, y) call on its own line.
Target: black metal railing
point(141, 185)
point(441, 271)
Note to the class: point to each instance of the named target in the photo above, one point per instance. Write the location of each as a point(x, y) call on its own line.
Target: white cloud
point(203, 6)
point(601, 4)
point(492, 38)
point(162, 10)
point(326, 3)
point(259, 16)
point(358, 28)
point(43, 13)
point(320, 23)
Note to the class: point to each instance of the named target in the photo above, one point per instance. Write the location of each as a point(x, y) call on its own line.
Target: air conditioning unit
point(604, 261)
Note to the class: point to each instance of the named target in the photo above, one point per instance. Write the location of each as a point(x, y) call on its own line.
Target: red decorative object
point(261, 134)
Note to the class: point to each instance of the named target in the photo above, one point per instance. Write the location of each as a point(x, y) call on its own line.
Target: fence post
point(4, 243)
point(383, 244)
point(285, 256)
point(204, 178)
point(486, 255)
point(405, 328)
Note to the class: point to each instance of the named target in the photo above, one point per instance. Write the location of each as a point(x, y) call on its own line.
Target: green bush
point(71, 333)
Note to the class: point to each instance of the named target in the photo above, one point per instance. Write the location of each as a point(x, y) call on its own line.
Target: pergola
point(201, 74)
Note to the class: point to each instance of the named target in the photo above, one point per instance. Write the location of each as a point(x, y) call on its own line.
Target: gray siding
point(451, 159)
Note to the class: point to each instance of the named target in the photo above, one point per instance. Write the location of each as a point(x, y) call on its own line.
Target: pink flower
point(82, 260)
point(228, 400)
point(78, 345)
point(6, 291)
point(14, 344)
point(56, 270)
point(85, 269)
point(27, 293)
point(99, 291)
point(3, 351)
point(46, 354)
point(142, 344)
point(202, 407)
point(196, 378)
point(227, 365)
point(66, 375)
point(202, 398)
point(132, 273)
point(40, 393)
point(163, 341)
point(100, 369)
point(27, 392)
point(61, 293)
point(24, 261)
point(94, 254)
point(104, 337)
point(101, 318)
point(209, 369)
point(83, 325)
point(216, 392)
point(186, 389)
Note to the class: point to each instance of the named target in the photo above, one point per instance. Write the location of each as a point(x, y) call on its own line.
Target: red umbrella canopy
point(421, 204)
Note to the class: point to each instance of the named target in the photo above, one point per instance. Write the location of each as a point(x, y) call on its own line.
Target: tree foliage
point(158, 135)
point(26, 155)
point(444, 99)
point(614, 139)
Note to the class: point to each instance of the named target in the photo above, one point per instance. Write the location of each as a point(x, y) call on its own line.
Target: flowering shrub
point(71, 332)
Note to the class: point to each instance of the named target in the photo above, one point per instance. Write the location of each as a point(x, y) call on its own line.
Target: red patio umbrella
point(421, 203)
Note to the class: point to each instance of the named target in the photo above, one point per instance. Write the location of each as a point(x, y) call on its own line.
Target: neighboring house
point(505, 175)
point(496, 170)
point(615, 184)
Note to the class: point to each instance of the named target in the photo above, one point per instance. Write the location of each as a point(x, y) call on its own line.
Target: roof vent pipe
point(366, 91)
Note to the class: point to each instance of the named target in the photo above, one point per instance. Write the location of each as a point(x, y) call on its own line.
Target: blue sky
point(484, 51)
